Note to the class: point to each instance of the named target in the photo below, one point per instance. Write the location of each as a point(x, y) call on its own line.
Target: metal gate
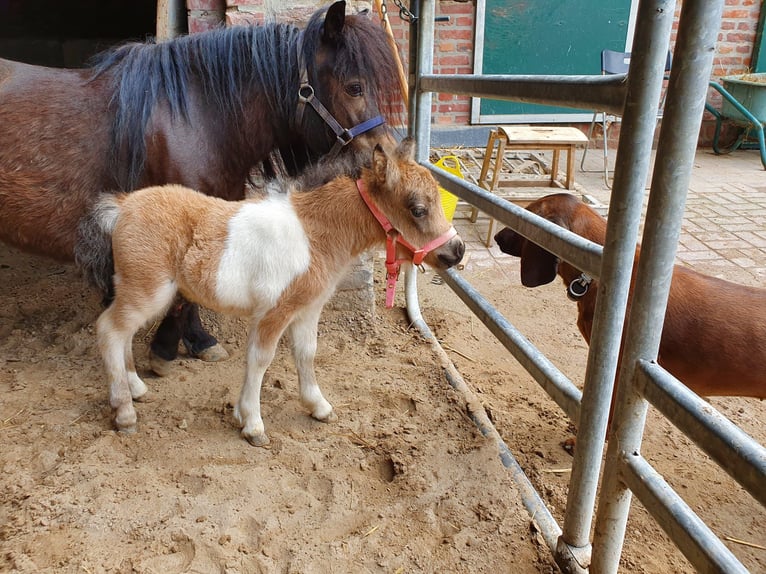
point(626, 472)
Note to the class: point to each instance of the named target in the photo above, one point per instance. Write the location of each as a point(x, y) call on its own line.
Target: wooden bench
point(527, 138)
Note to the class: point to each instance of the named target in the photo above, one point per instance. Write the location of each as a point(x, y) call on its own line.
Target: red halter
point(393, 237)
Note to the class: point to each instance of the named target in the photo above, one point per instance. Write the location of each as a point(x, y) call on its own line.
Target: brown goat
point(714, 336)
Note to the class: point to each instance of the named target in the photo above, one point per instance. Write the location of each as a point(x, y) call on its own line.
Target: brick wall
point(454, 40)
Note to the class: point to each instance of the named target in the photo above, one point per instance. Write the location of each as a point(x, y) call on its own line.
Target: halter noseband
point(393, 265)
point(306, 95)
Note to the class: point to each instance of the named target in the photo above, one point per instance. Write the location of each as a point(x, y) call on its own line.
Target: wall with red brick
point(455, 39)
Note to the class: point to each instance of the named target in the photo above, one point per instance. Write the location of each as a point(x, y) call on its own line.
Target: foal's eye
point(418, 211)
point(354, 89)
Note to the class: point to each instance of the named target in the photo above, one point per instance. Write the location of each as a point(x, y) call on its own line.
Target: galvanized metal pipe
point(555, 383)
point(700, 545)
point(728, 445)
point(698, 30)
point(423, 66)
point(603, 93)
point(583, 254)
point(639, 122)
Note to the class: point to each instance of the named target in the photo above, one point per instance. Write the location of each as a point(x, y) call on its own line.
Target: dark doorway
point(63, 33)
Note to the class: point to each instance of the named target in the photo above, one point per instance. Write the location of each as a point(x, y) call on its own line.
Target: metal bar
point(639, 122)
point(692, 536)
point(555, 383)
point(580, 252)
point(695, 45)
point(605, 93)
point(728, 445)
point(531, 499)
point(424, 65)
point(412, 65)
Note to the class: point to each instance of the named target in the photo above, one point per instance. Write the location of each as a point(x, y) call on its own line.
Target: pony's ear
point(538, 266)
point(333, 23)
point(406, 149)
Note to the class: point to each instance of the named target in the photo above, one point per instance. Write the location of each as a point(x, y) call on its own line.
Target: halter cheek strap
point(393, 265)
point(306, 95)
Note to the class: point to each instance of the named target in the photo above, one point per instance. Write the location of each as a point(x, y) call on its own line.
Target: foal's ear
point(333, 23)
point(379, 163)
point(406, 149)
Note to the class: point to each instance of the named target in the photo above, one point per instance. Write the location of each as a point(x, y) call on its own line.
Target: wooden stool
point(519, 138)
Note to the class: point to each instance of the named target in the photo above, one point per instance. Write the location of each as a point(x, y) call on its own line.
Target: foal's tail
point(93, 250)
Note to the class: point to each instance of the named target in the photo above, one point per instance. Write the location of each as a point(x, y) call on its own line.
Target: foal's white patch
point(266, 249)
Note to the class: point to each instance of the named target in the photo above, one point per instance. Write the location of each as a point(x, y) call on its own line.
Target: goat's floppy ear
point(509, 241)
point(538, 266)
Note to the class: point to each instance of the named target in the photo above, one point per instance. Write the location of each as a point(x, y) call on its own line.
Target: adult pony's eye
point(354, 89)
point(418, 211)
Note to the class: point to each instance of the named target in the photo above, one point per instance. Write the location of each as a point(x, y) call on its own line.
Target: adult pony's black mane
point(228, 65)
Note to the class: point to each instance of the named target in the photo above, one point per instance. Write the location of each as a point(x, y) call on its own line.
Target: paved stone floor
point(724, 227)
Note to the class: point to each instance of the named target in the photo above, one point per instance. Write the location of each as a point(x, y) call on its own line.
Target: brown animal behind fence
point(714, 336)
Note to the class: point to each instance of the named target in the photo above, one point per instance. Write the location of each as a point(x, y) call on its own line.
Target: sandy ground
point(402, 482)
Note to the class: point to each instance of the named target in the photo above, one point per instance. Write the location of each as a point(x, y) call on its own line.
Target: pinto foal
point(276, 260)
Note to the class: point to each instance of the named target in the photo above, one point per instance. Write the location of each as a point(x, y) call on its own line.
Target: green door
point(546, 37)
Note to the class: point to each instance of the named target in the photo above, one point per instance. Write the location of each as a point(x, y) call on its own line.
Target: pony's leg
point(303, 339)
point(164, 347)
point(182, 323)
point(199, 343)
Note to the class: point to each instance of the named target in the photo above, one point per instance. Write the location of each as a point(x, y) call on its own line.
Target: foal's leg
point(114, 337)
point(116, 327)
point(303, 339)
point(138, 388)
point(260, 353)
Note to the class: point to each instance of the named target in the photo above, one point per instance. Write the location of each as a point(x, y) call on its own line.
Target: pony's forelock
point(364, 46)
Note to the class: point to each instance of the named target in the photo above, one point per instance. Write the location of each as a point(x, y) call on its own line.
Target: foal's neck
point(336, 218)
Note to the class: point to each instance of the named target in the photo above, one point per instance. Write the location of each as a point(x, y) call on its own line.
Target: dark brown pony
point(199, 110)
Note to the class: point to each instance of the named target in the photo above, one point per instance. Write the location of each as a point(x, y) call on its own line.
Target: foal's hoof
point(160, 366)
point(127, 430)
point(213, 354)
point(329, 418)
point(257, 439)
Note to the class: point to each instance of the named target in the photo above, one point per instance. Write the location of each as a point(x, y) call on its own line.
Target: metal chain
point(404, 13)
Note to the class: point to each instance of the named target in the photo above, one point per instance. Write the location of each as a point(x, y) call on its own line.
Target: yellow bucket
point(451, 164)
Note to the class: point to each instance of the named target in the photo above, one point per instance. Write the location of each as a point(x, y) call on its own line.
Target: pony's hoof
point(213, 354)
point(160, 366)
point(127, 430)
point(257, 439)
